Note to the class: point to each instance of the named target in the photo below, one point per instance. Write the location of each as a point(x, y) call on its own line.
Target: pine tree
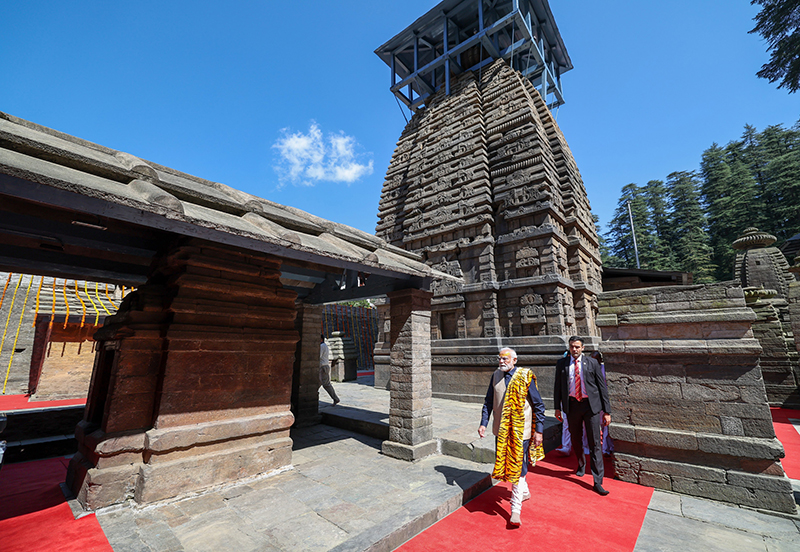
point(688, 223)
point(779, 23)
point(606, 258)
point(620, 238)
point(778, 173)
point(729, 194)
point(663, 257)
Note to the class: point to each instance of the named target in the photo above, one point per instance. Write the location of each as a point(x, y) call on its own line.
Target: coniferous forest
point(689, 221)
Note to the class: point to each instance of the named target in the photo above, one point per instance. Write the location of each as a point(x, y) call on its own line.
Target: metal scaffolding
point(463, 35)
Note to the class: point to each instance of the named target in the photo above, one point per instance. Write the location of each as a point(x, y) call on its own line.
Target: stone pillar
point(305, 385)
point(191, 385)
point(410, 403)
point(689, 406)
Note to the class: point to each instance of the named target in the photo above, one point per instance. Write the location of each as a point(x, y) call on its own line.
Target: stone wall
point(690, 412)
point(483, 184)
point(17, 314)
point(66, 355)
point(779, 357)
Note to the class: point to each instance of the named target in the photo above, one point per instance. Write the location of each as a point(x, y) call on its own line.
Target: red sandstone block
point(135, 363)
point(135, 385)
point(143, 341)
point(176, 402)
point(126, 419)
point(197, 362)
point(181, 383)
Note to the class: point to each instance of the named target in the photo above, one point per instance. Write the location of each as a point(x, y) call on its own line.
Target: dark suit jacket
point(594, 382)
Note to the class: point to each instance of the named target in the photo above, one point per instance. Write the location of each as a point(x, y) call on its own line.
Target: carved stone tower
point(483, 184)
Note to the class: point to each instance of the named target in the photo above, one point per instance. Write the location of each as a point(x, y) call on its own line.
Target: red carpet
point(20, 402)
point(561, 507)
point(790, 438)
point(34, 517)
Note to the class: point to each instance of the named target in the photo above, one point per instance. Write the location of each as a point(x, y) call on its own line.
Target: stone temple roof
point(71, 208)
point(753, 238)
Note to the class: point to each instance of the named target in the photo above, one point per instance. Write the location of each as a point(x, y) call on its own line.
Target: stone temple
point(483, 185)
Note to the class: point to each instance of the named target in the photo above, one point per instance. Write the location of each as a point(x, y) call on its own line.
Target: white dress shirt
point(571, 377)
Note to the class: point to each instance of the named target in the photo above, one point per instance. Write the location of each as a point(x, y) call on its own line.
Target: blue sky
point(287, 101)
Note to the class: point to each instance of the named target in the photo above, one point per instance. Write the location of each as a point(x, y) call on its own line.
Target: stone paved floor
point(677, 523)
point(343, 494)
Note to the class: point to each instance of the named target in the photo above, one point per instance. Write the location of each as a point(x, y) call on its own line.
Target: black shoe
point(598, 488)
point(581, 471)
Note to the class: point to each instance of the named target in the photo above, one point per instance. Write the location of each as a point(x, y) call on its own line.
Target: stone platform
point(343, 495)
point(365, 409)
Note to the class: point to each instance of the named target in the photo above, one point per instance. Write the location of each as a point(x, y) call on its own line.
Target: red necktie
point(578, 392)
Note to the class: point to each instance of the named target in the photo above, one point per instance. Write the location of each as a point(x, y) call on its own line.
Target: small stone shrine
point(343, 357)
point(482, 183)
point(689, 403)
point(765, 275)
point(794, 302)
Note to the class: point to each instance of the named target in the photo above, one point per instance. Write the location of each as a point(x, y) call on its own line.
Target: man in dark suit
point(581, 393)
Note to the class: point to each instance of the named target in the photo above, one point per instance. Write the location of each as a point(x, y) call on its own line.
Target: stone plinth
point(343, 357)
point(483, 184)
point(690, 411)
point(410, 404)
point(191, 385)
point(778, 356)
point(305, 383)
point(461, 368)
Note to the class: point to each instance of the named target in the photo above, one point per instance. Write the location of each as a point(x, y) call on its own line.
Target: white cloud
point(309, 158)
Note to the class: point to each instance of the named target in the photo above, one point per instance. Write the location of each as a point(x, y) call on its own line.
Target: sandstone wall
point(191, 387)
point(690, 411)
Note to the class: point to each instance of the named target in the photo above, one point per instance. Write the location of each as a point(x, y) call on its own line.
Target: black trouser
point(580, 413)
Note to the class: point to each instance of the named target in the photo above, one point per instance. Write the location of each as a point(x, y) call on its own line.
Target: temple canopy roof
point(461, 35)
point(73, 209)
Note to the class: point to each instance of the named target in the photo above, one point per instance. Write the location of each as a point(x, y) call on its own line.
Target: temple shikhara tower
point(482, 183)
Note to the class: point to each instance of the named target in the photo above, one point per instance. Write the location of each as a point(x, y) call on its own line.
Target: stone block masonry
point(192, 385)
point(690, 410)
point(483, 185)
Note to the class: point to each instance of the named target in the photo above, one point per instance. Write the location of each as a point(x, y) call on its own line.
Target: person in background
point(608, 444)
point(325, 369)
